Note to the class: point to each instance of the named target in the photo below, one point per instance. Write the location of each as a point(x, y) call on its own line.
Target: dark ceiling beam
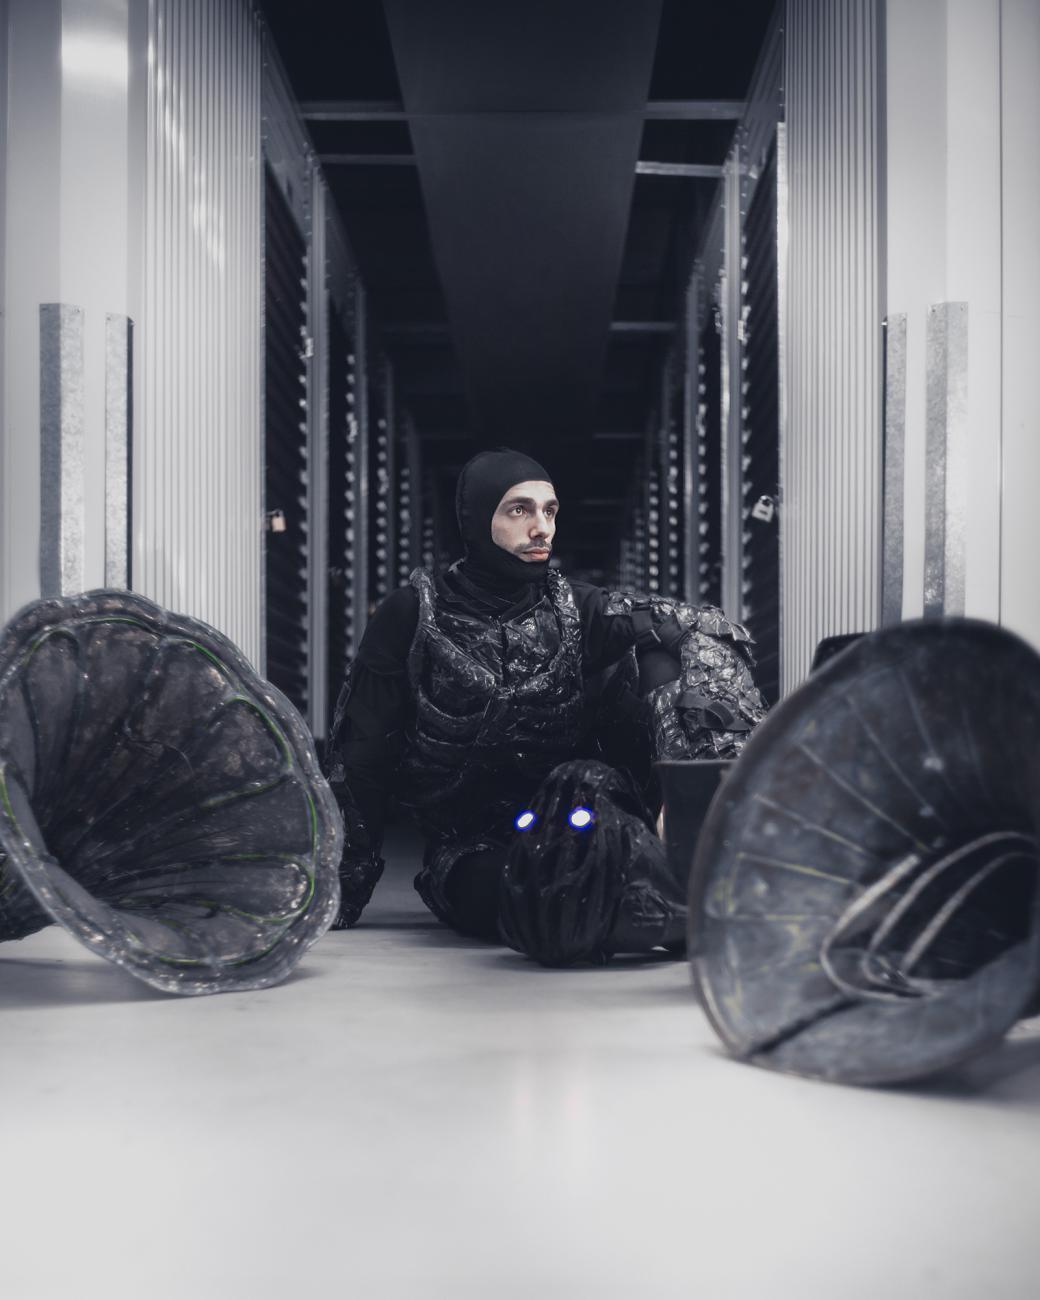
point(415, 331)
point(699, 171)
point(366, 159)
point(345, 110)
point(437, 331)
point(695, 110)
point(675, 110)
point(642, 327)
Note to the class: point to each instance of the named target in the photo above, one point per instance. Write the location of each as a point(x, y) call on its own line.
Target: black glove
point(358, 876)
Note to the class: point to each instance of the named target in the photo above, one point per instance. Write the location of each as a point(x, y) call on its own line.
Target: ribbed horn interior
point(160, 799)
point(864, 901)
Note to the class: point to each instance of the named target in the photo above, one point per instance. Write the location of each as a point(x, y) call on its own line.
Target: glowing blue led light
point(524, 820)
point(579, 818)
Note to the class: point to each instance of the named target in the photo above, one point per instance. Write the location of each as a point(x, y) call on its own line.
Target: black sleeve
point(371, 721)
point(707, 704)
point(607, 635)
point(391, 629)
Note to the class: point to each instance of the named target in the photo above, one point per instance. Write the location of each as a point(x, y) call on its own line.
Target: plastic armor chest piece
point(498, 705)
point(512, 651)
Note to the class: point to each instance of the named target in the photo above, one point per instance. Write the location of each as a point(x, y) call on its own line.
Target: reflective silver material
point(498, 706)
point(710, 710)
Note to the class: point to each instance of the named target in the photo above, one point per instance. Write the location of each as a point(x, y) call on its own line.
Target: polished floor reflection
point(413, 1114)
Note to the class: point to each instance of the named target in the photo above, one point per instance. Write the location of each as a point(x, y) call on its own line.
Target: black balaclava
point(482, 484)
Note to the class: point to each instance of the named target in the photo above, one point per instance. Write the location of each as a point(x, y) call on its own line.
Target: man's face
point(524, 521)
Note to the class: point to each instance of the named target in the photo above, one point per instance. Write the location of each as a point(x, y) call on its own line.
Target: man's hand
point(358, 876)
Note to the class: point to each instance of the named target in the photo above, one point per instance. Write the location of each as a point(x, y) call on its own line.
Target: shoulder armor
point(688, 618)
point(714, 621)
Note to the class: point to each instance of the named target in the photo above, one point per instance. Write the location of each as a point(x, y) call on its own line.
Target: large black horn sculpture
point(864, 903)
point(157, 798)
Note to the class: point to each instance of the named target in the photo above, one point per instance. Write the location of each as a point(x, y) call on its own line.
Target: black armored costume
point(499, 687)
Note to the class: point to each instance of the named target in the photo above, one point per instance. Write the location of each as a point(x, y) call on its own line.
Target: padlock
point(764, 509)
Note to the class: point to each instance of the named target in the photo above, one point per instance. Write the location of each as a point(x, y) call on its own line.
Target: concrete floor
point(413, 1114)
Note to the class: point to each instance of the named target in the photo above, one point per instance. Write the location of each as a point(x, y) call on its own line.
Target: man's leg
point(460, 883)
point(473, 888)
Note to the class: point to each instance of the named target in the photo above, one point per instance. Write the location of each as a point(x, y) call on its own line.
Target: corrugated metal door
point(709, 462)
point(285, 440)
point(760, 434)
point(197, 446)
point(342, 431)
point(832, 325)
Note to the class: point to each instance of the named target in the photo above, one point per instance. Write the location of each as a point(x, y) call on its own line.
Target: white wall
point(132, 189)
point(32, 276)
point(198, 445)
point(963, 187)
point(1020, 316)
point(3, 274)
point(831, 358)
point(66, 210)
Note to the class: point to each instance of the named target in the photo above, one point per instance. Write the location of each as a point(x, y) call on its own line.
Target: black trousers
point(473, 889)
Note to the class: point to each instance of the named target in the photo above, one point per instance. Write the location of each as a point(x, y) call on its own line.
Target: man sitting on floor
point(499, 685)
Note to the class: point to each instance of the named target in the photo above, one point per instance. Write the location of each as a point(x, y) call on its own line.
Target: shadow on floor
point(34, 983)
point(31, 983)
point(1012, 1068)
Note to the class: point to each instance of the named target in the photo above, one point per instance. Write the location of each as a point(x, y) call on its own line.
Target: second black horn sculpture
point(864, 898)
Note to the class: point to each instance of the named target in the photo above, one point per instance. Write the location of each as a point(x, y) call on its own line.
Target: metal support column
point(390, 415)
point(415, 518)
point(732, 386)
point(359, 601)
point(689, 514)
point(317, 461)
